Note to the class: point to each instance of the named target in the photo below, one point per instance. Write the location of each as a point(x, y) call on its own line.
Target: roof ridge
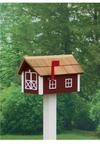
point(45, 56)
point(56, 66)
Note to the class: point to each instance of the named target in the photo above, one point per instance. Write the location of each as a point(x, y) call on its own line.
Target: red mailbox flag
point(54, 64)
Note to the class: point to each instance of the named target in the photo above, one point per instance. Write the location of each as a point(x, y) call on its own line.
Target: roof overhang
point(42, 65)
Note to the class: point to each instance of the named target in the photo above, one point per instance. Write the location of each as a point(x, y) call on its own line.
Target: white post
point(49, 117)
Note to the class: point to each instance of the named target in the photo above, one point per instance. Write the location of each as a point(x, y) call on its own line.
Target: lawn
point(68, 135)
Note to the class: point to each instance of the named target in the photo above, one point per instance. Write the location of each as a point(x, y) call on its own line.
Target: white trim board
point(22, 82)
point(78, 82)
point(40, 85)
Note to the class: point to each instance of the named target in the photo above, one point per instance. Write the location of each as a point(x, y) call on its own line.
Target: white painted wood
point(78, 82)
point(30, 83)
point(52, 84)
point(68, 83)
point(40, 85)
point(49, 117)
point(22, 80)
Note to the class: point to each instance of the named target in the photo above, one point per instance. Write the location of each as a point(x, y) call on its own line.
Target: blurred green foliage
point(21, 113)
point(95, 109)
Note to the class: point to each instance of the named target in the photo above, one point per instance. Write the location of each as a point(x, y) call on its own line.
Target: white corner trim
point(78, 82)
point(22, 80)
point(40, 85)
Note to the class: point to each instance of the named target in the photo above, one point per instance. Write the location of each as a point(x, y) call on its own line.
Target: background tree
point(95, 109)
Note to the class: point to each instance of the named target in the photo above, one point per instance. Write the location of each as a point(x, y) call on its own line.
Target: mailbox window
point(68, 83)
point(52, 84)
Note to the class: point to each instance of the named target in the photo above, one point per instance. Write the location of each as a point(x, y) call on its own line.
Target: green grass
point(78, 135)
point(67, 135)
point(21, 137)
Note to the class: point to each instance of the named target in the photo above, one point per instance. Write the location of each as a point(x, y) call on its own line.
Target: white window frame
point(30, 81)
point(52, 84)
point(68, 83)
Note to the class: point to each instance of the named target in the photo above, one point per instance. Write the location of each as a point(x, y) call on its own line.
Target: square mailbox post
point(47, 76)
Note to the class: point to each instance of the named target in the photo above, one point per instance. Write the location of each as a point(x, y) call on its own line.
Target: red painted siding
point(60, 80)
point(60, 84)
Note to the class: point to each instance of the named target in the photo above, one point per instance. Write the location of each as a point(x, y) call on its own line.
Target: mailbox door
point(30, 82)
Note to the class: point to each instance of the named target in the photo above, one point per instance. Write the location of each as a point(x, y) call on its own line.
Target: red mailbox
point(50, 74)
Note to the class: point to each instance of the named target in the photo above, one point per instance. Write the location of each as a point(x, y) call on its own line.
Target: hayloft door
point(31, 80)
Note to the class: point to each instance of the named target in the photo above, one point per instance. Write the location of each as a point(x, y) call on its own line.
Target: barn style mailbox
point(50, 74)
point(47, 76)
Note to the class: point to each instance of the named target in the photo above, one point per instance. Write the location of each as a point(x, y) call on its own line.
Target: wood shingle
point(42, 64)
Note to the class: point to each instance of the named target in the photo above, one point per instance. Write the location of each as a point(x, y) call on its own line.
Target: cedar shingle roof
point(42, 64)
